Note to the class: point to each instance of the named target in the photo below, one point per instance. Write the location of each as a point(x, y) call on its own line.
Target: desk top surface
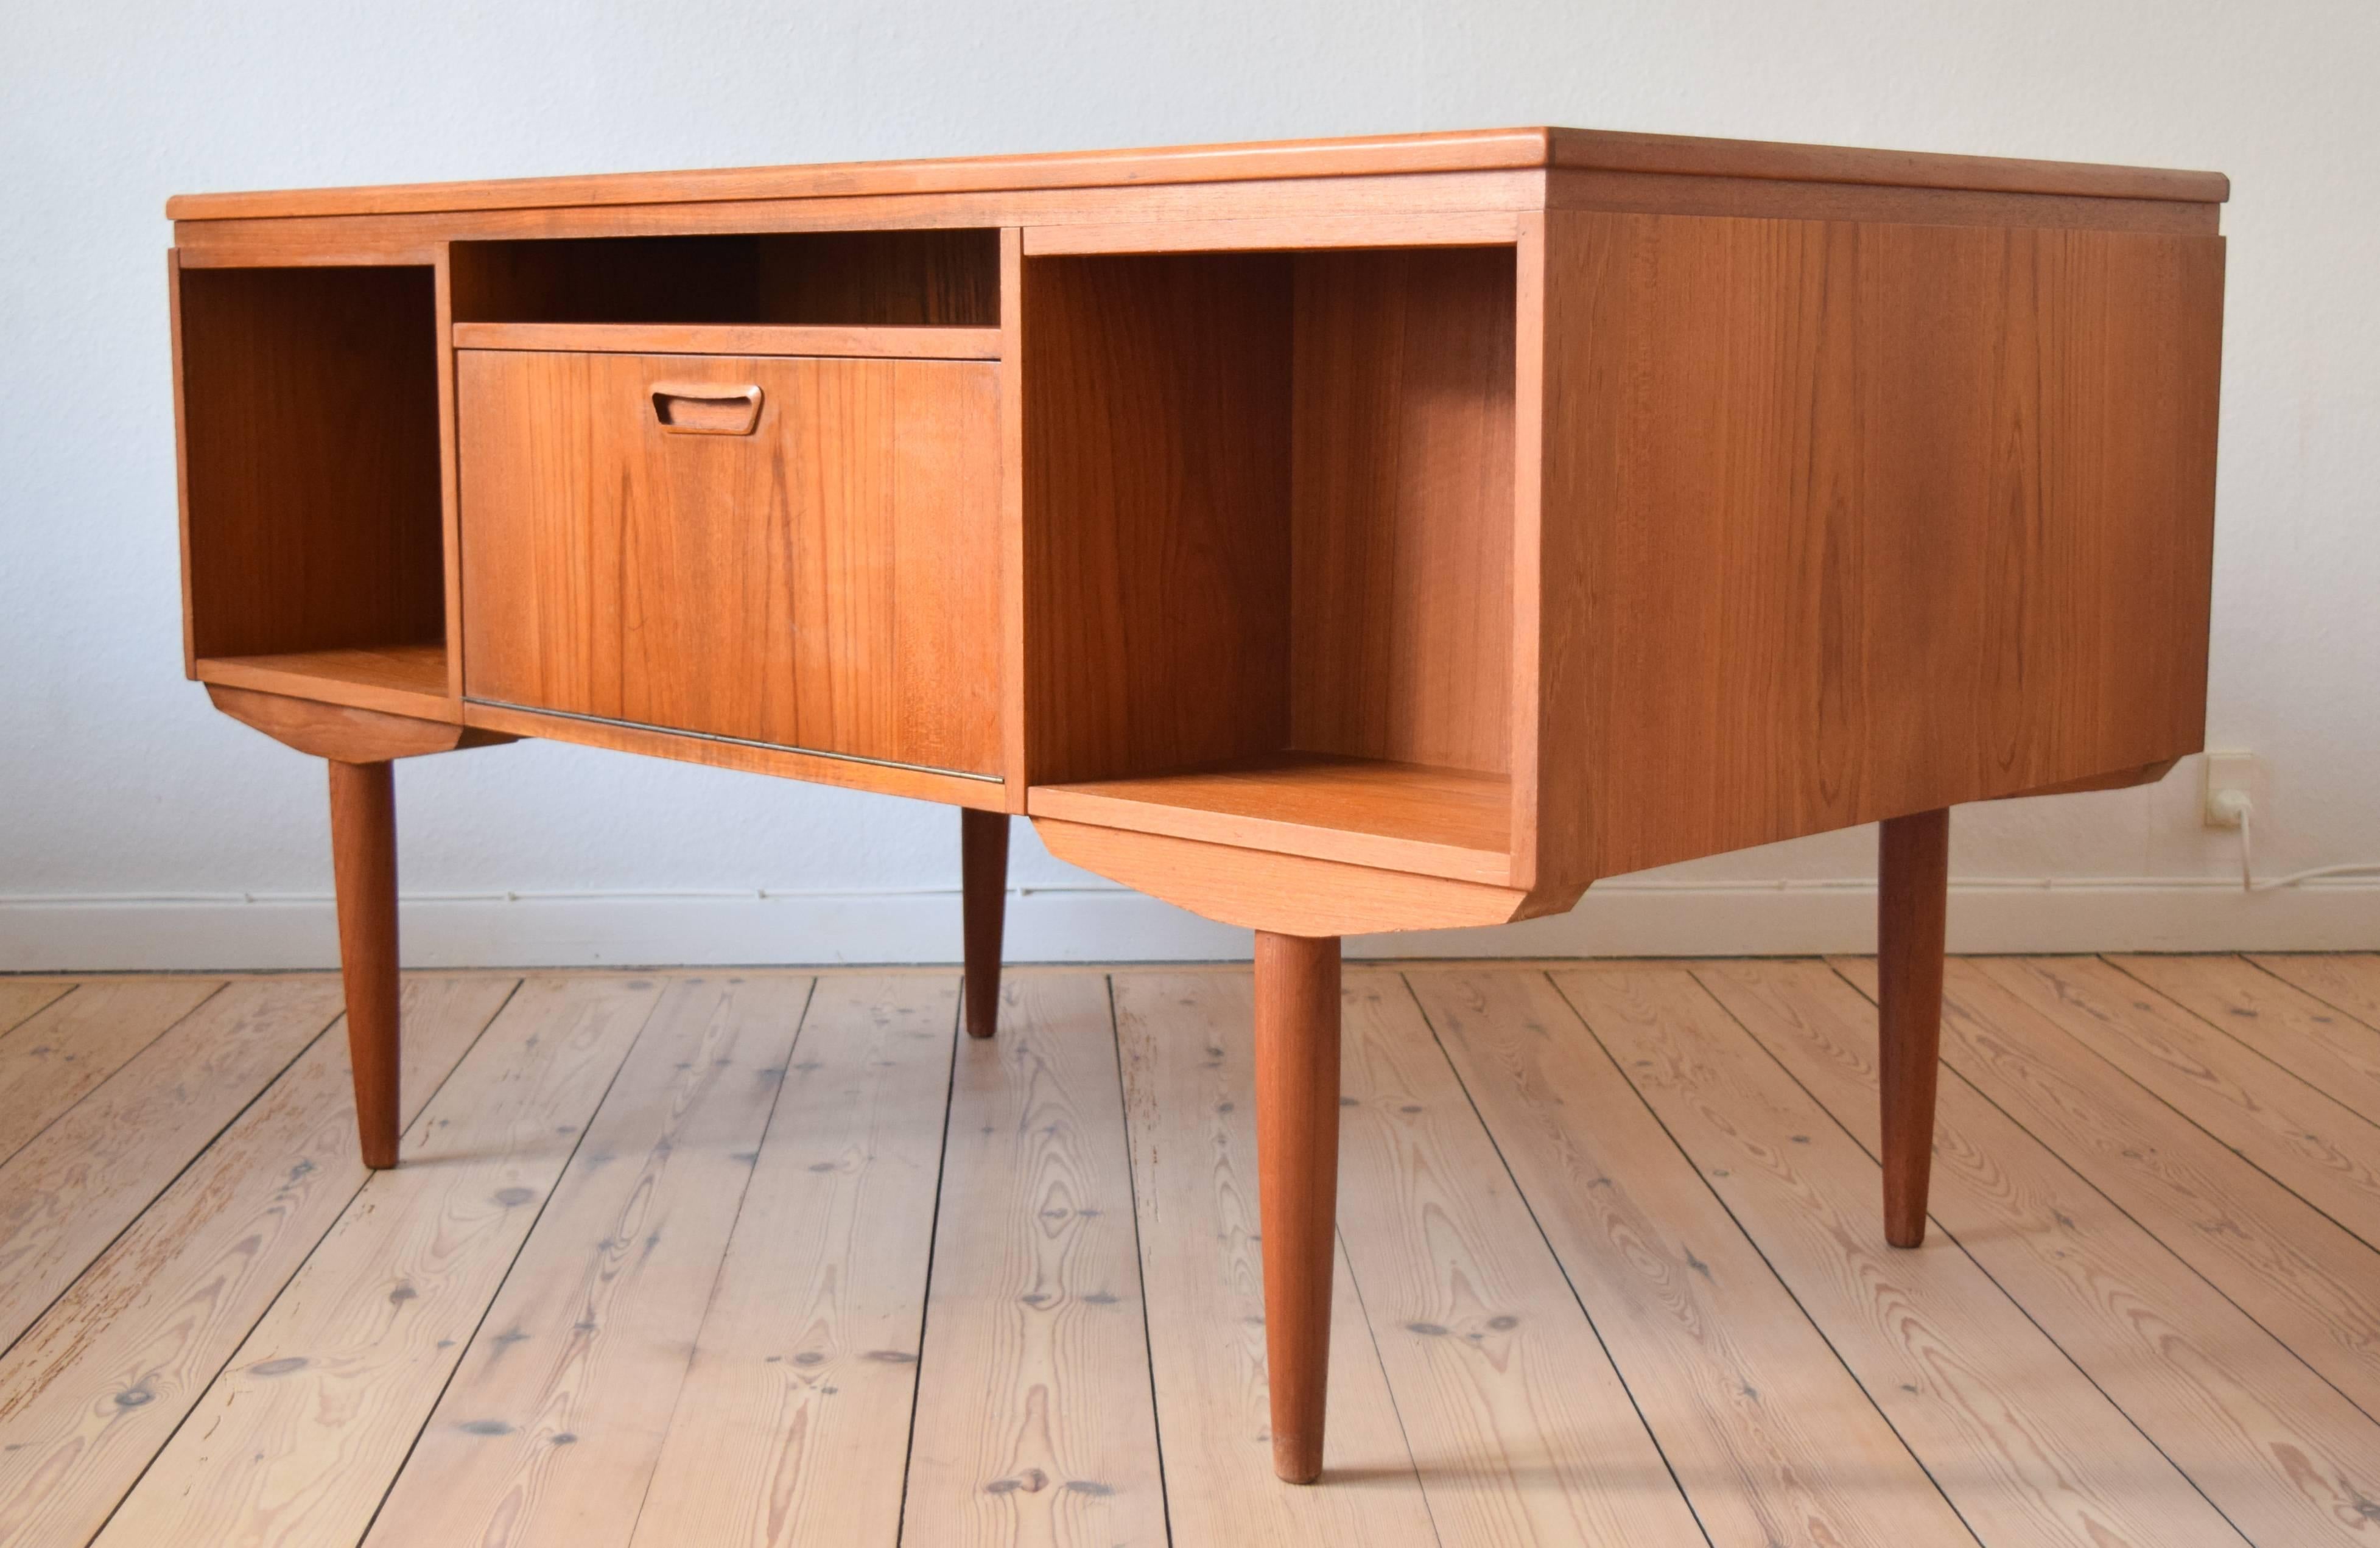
point(1464, 151)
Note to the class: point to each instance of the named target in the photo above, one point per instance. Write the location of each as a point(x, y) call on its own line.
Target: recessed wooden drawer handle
point(705, 407)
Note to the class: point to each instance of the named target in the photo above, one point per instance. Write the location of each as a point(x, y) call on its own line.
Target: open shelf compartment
point(1268, 548)
point(847, 279)
point(313, 549)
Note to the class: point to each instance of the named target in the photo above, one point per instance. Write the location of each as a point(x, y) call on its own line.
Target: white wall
point(135, 823)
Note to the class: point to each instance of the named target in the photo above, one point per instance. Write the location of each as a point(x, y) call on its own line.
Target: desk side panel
point(1846, 520)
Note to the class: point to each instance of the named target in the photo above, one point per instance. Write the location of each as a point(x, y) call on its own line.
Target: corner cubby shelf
point(1405, 817)
point(397, 679)
point(1269, 518)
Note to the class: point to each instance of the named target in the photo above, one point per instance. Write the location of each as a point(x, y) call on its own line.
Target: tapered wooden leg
point(1912, 899)
point(363, 859)
point(1297, 1183)
point(983, 888)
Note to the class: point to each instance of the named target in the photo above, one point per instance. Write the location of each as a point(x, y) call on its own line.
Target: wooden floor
point(750, 1258)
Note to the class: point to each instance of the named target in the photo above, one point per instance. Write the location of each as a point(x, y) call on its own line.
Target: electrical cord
point(2237, 804)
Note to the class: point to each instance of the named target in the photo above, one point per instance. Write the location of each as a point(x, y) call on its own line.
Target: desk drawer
point(797, 551)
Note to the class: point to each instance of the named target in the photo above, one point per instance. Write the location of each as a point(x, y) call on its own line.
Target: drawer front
point(826, 580)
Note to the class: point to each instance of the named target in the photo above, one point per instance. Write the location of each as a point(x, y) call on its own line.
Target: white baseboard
point(154, 932)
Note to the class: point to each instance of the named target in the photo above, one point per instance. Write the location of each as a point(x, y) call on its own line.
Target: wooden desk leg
point(363, 861)
point(1912, 899)
point(1297, 1183)
point(983, 888)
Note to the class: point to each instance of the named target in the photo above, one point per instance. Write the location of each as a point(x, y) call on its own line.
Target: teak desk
point(1330, 536)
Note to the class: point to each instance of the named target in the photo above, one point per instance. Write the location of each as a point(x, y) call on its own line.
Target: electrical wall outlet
point(2231, 778)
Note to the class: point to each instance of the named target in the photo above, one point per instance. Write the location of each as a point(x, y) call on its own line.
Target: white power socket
point(2230, 781)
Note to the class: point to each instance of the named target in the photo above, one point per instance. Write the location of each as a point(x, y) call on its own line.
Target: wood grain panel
point(2027, 1448)
point(299, 1439)
point(2270, 1443)
point(99, 1384)
point(1500, 1375)
point(1186, 1050)
point(450, 469)
point(823, 584)
point(793, 1424)
point(1401, 505)
point(59, 1055)
point(881, 278)
point(310, 454)
point(74, 1187)
point(1035, 1423)
point(1156, 514)
point(1857, 520)
point(551, 1429)
point(1771, 1438)
point(1012, 517)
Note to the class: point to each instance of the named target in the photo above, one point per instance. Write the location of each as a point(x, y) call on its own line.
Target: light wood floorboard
point(1771, 1438)
point(57, 1055)
point(1188, 1051)
point(20, 997)
point(773, 1259)
point(2019, 1440)
point(2349, 980)
point(2293, 1268)
point(2309, 1142)
point(103, 1379)
point(793, 1425)
point(298, 1441)
point(2308, 1037)
point(1035, 1418)
point(77, 1185)
point(550, 1431)
point(2281, 1451)
point(1500, 1376)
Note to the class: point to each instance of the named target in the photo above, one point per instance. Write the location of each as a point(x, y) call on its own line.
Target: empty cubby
point(308, 399)
point(846, 278)
point(1269, 513)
